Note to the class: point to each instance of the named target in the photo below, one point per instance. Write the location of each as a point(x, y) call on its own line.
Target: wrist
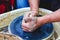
point(43, 20)
point(46, 19)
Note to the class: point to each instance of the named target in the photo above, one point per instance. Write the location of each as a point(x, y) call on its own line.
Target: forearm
point(54, 17)
point(34, 5)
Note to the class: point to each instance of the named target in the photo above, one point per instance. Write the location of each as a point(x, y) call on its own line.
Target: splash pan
point(41, 33)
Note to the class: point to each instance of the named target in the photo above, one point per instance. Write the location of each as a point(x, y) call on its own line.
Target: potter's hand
point(32, 25)
point(29, 25)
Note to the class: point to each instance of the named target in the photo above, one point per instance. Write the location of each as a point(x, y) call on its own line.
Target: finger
point(27, 15)
point(26, 25)
point(25, 29)
point(28, 19)
point(31, 19)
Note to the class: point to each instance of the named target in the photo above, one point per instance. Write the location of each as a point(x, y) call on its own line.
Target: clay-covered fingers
point(27, 16)
point(25, 26)
point(30, 25)
point(25, 29)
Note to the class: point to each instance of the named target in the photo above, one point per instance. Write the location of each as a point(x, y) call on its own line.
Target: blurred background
point(8, 5)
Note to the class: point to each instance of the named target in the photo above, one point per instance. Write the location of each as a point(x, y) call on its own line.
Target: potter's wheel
point(40, 33)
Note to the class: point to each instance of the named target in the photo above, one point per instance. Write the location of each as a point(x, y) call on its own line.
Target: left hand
point(30, 14)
